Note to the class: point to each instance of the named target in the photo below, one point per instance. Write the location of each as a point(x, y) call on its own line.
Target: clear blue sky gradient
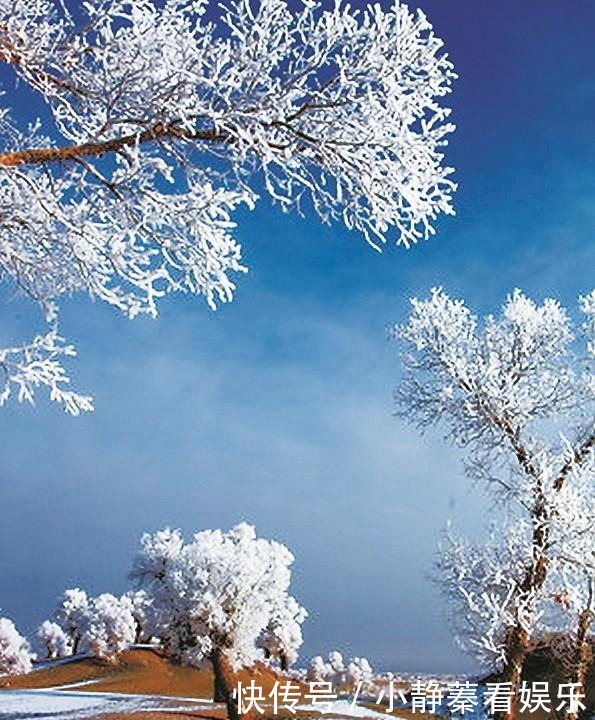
point(277, 408)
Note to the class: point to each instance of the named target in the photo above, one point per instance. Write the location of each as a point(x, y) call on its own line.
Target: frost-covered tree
point(52, 641)
point(359, 671)
point(160, 119)
point(357, 674)
point(212, 598)
point(317, 669)
point(140, 607)
point(571, 576)
point(484, 584)
point(15, 655)
point(110, 626)
point(73, 616)
point(282, 637)
point(517, 392)
point(102, 626)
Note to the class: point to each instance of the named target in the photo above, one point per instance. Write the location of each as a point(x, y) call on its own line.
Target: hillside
point(138, 671)
point(141, 683)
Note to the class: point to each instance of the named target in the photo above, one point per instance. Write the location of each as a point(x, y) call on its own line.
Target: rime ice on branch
point(517, 392)
point(163, 119)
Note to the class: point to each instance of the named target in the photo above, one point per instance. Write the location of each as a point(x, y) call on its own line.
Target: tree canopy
point(159, 120)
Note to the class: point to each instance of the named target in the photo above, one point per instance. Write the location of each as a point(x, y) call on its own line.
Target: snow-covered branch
point(499, 387)
point(37, 364)
point(163, 122)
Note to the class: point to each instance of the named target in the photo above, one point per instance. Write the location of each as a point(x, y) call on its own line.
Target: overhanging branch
point(39, 156)
point(578, 457)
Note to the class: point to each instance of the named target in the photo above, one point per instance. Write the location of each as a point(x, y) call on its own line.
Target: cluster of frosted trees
point(159, 119)
point(516, 392)
point(349, 677)
point(100, 626)
point(222, 597)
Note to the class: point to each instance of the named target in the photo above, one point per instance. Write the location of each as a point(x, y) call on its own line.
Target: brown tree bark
point(219, 688)
point(583, 651)
point(516, 652)
point(225, 684)
point(40, 156)
point(517, 642)
point(75, 644)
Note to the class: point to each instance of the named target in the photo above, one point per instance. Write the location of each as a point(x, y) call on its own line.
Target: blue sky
point(277, 408)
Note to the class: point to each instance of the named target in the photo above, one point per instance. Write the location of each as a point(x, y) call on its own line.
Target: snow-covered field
point(345, 708)
point(67, 704)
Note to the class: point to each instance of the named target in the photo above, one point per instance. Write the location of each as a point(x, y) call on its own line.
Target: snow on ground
point(76, 685)
point(345, 708)
point(67, 705)
point(47, 704)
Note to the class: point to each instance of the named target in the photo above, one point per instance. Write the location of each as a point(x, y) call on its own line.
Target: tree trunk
point(517, 642)
point(219, 688)
point(516, 652)
point(283, 660)
point(138, 631)
point(75, 644)
point(583, 651)
point(224, 686)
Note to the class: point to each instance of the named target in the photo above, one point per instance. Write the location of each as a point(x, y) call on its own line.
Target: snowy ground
point(60, 704)
point(68, 704)
point(347, 708)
